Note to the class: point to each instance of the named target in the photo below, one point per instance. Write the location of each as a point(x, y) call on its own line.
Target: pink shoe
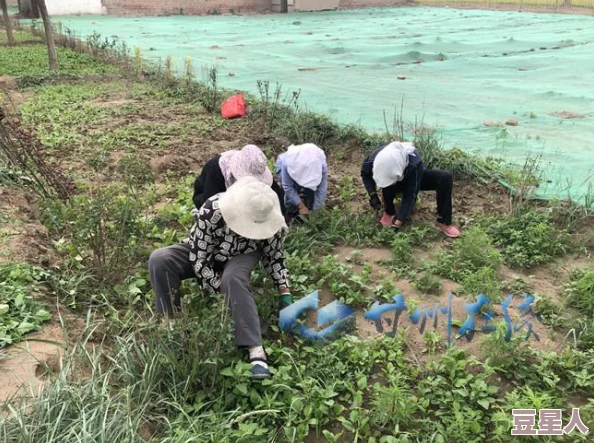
point(449, 230)
point(386, 220)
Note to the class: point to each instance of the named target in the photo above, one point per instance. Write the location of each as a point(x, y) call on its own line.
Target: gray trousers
point(169, 266)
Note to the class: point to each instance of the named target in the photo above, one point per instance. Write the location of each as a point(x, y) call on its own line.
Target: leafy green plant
point(103, 230)
point(482, 281)
point(19, 312)
point(402, 256)
point(30, 63)
point(579, 292)
point(468, 254)
point(344, 283)
point(527, 240)
point(428, 283)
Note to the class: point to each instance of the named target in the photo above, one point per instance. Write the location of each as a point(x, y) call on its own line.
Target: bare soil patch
point(22, 235)
point(27, 365)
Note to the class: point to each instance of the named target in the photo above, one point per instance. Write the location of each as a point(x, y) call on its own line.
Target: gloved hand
point(375, 202)
point(284, 301)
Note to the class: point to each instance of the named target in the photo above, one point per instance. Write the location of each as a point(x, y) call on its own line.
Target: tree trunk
point(49, 35)
point(7, 23)
point(28, 9)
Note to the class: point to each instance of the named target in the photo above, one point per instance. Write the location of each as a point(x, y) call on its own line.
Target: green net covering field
point(464, 71)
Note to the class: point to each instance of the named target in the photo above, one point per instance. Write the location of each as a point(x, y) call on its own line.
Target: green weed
point(428, 283)
point(527, 240)
point(468, 254)
point(19, 312)
point(579, 292)
point(485, 281)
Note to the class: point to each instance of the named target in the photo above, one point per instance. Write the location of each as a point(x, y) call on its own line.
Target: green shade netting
point(462, 68)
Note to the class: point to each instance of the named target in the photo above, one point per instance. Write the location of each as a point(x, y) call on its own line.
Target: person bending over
point(398, 168)
point(221, 171)
point(233, 232)
point(303, 170)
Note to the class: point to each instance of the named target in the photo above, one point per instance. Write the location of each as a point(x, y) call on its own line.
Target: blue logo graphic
point(338, 316)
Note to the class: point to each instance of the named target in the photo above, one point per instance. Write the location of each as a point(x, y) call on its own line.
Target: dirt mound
point(23, 237)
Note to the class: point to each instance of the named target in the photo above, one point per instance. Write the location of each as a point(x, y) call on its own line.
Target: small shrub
point(482, 281)
point(550, 312)
point(103, 231)
point(135, 170)
point(429, 283)
point(527, 240)
point(579, 291)
point(402, 256)
point(469, 253)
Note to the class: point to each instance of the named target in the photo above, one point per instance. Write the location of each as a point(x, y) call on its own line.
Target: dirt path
point(24, 367)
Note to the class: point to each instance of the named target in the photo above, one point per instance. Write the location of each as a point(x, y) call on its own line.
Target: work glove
point(375, 202)
point(284, 301)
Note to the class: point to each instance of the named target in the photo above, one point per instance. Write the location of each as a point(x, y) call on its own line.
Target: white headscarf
point(390, 163)
point(305, 164)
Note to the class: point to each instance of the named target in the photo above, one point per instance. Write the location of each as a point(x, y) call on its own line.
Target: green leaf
point(484, 403)
point(227, 372)
point(242, 388)
point(362, 382)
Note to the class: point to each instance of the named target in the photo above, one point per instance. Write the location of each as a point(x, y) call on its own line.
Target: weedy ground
point(133, 139)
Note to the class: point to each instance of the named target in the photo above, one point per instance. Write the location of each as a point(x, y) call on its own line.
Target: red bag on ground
point(233, 107)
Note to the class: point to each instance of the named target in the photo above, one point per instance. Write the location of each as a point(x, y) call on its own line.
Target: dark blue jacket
point(410, 184)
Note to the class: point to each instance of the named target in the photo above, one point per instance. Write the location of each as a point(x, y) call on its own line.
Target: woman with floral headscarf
point(221, 171)
point(303, 170)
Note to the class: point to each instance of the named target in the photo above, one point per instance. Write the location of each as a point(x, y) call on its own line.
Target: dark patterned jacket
point(213, 244)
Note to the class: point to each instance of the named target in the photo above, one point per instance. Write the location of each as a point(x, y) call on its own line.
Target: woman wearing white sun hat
point(234, 230)
point(303, 170)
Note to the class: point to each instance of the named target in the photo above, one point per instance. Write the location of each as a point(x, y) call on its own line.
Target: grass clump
point(579, 292)
point(470, 253)
point(527, 240)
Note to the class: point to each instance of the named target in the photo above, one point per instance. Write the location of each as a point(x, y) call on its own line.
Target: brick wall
point(347, 4)
point(197, 7)
point(189, 7)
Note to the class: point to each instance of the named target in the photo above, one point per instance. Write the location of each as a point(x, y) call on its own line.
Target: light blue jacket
point(292, 188)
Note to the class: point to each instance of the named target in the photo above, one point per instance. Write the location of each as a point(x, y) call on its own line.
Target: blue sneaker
point(259, 372)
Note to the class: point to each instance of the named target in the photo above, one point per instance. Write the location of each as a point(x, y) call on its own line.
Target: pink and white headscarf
point(249, 161)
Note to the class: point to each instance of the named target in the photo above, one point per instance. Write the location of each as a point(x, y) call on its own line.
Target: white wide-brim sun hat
point(251, 209)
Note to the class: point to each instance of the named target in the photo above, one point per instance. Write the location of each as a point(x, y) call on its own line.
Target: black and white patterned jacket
point(212, 244)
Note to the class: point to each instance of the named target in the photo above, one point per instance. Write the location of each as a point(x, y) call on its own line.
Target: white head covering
point(305, 164)
point(252, 209)
point(390, 163)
